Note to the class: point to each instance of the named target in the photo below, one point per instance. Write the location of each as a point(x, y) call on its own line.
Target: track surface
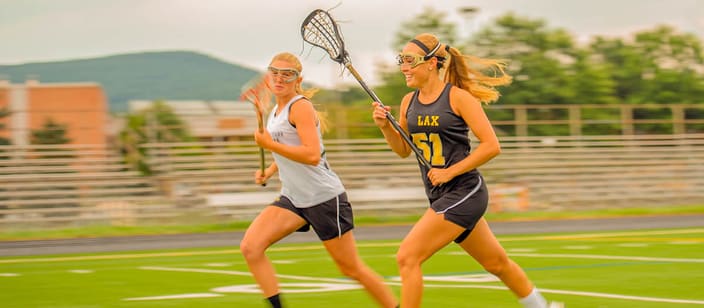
point(223, 239)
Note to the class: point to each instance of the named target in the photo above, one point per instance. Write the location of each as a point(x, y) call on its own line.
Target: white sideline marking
point(283, 261)
point(431, 278)
point(456, 278)
point(176, 296)
point(238, 273)
point(291, 288)
point(606, 234)
point(521, 249)
point(684, 242)
point(585, 256)
point(78, 271)
point(9, 274)
point(218, 264)
point(633, 245)
point(579, 293)
point(628, 258)
point(578, 247)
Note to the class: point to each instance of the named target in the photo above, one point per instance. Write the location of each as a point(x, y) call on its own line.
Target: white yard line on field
point(238, 273)
point(432, 285)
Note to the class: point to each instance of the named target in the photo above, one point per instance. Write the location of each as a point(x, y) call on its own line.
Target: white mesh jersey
point(305, 185)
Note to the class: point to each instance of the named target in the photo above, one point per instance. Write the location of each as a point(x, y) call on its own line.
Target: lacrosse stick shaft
point(389, 117)
point(262, 162)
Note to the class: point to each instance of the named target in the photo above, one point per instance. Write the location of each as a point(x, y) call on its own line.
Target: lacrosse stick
point(257, 92)
point(319, 29)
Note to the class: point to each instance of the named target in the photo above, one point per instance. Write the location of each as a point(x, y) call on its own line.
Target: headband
point(428, 53)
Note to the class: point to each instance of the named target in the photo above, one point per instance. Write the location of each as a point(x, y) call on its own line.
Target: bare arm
point(393, 138)
point(260, 178)
point(470, 109)
point(304, 117)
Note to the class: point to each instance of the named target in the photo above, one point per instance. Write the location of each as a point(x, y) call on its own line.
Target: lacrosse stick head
point(320, 29)
point(257, 92)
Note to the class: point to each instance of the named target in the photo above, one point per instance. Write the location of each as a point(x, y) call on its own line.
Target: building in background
point(81, 107)
point(210, 120)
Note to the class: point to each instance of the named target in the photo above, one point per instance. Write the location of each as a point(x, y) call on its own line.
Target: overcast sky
point(251, 32)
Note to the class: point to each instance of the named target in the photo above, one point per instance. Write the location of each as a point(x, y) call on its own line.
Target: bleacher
point(546, 173)
point(72, 185)
point(213, 181)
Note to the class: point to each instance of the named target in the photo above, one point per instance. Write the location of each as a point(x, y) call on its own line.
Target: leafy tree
point(50, 133)
point(658, 66)
point(676, 62)
point(3, 114)
point(592, 82)
point(157, 123)
point(538, 58)
point(431, 21)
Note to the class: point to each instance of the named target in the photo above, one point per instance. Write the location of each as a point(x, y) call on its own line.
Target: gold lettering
point(435, 121)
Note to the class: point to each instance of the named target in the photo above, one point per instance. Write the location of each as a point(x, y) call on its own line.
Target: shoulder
point(407, 98)
point(461, 95)
point(301, 110)
point(302, 103)
point(461, 101)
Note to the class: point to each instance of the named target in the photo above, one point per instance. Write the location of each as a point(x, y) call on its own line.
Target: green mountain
point(174, 75)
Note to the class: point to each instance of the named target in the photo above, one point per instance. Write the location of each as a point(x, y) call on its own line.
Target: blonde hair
point(459, 73)
point(308, 93)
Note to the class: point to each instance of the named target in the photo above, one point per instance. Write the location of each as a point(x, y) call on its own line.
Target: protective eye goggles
point(288, 75)
point(411, 59)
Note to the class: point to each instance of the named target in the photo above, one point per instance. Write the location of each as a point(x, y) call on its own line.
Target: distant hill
point(176, 75)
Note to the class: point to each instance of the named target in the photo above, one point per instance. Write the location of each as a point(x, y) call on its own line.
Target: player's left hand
point(439, 176)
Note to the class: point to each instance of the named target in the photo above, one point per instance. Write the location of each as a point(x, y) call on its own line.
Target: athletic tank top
point(443, 138)
point(303, 184)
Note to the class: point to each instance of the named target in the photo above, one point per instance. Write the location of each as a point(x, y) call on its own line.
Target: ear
point(432, 63)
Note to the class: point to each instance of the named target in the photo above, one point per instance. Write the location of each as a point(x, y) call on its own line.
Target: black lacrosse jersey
point(443, 138)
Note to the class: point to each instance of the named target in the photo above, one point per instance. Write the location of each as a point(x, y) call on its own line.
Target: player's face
point(283, 76)
point(412, 65)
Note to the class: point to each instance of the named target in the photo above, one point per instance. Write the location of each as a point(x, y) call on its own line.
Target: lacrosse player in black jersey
point(446, 104)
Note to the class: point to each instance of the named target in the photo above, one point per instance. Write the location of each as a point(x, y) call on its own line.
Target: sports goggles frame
point(412, 59)
point(288, 75)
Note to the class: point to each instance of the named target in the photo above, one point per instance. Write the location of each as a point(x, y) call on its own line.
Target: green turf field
point(645, 268)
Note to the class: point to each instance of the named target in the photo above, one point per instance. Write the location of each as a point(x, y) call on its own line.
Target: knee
point(251, 250)
point(407, 260)
point(352, 271)
point(497, 265)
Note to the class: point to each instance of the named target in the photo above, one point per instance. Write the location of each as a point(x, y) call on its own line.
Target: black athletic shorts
point(329, 219)
point(463, 206)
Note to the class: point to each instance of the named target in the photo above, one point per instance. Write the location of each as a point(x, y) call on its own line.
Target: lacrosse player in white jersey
point(312, 195)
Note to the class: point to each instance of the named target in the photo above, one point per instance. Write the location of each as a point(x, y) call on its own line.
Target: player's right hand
point(260, 177)
point(379, 115)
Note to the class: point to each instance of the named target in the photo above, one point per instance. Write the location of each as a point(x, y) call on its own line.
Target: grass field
point(645, 268)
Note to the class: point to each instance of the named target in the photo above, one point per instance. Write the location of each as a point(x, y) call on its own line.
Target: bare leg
point(343, 251)
point(270, 226)
point(483, 246)
point(430, 234)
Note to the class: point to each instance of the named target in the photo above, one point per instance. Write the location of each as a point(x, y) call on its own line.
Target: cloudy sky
point(250, 32)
